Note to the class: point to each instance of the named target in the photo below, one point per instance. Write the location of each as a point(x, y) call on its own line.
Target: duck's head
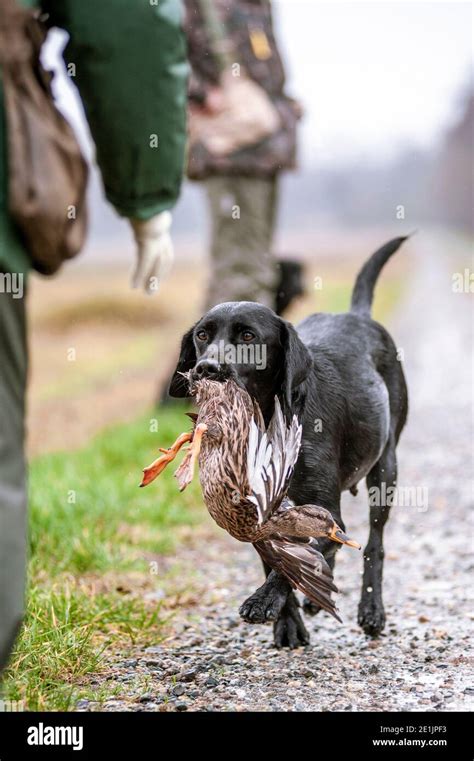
point(324, 525)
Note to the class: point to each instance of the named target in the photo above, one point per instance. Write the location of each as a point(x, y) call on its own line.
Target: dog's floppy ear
point(297, 363)
point(187, 359)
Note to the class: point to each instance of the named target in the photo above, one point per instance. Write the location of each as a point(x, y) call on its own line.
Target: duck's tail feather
point(305, 568)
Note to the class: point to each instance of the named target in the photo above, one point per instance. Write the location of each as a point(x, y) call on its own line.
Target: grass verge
point(95, 541)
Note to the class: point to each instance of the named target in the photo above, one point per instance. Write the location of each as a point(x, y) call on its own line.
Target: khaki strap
point(221, 46)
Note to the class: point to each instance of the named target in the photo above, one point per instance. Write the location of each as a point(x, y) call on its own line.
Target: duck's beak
point(338, 535)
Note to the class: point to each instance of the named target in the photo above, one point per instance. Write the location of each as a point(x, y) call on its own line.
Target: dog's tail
point(363, 292)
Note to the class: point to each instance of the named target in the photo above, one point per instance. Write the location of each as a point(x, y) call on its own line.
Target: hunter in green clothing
point(131, 73)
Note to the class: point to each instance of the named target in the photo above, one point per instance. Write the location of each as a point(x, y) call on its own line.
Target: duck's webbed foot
point(185, 472)
point(158, 466)
point(289, 630)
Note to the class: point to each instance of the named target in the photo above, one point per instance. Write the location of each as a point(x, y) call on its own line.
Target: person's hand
point(154, 253)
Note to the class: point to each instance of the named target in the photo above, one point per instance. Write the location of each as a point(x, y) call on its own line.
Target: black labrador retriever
point(340, 374)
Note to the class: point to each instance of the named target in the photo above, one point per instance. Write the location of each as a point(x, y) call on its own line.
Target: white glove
point(155, 251)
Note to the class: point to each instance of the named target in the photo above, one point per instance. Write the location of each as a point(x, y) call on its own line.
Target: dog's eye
point(201, 335)
point(247, 335)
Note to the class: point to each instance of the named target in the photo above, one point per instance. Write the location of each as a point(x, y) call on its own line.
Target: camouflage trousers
point(243, 212)
point(13, 489)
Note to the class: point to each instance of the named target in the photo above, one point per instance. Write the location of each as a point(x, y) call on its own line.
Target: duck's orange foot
point(185, 472)
point(158, 466)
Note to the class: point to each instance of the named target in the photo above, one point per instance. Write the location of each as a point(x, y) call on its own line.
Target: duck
point(245, 469)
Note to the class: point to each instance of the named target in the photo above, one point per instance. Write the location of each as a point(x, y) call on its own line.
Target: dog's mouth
point(203, 388)
point(224, 374)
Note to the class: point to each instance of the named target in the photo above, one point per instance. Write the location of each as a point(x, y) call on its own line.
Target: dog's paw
point(289, 630)
point(310, 608)
point(264, 605)
point(371, 616)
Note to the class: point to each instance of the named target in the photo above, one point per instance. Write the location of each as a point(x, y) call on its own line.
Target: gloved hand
point(155, 251)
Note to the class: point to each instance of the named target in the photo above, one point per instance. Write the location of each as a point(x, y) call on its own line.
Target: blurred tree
point(453, 173)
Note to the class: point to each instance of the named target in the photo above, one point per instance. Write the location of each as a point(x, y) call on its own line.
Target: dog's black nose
point(207, 368)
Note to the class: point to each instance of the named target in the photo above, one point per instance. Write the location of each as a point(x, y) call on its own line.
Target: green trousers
point(13, 488)
point(243, 212)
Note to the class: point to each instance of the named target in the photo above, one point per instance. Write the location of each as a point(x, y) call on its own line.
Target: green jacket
point(131, 73)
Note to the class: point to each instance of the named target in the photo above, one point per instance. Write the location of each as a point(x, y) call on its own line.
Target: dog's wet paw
point(289, 630)
point(264, 605)
point(371, 616)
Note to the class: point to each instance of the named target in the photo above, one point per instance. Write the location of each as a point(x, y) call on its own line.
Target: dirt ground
point(423, 661)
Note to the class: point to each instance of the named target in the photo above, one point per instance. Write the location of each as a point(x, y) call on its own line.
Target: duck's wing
point(304, 567)
point(271, 458)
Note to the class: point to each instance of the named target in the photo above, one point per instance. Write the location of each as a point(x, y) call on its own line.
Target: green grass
point(82, 502)
point(335, 296)
point(93, 533)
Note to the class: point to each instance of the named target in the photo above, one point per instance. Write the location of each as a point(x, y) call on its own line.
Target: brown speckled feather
point(227, 411)
point(241, 508)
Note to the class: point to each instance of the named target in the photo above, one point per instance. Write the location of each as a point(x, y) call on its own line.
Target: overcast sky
point(373, 76)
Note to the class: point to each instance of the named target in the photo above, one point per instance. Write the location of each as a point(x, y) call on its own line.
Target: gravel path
point(214, 661)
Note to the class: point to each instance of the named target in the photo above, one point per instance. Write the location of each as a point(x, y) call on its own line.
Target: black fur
point(290, 284)
point(340, 374)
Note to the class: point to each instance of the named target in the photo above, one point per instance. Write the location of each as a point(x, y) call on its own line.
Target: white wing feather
point(271, 458)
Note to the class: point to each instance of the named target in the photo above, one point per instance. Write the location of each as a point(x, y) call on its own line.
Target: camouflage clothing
point(243, 266)
point(249, 42)
point(243, 211)
point(241, 18)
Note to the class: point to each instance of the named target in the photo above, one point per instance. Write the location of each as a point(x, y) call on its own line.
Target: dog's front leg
point(275, 601)
point(289, 629)
point(381, 479)
point(267, 602)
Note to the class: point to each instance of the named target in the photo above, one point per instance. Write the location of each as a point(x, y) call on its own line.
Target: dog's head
point(250, 344)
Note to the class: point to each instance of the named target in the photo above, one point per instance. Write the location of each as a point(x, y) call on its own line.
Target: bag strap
point(11, 11)
point(7, 6)
point(221, 47)
point(16, 45)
